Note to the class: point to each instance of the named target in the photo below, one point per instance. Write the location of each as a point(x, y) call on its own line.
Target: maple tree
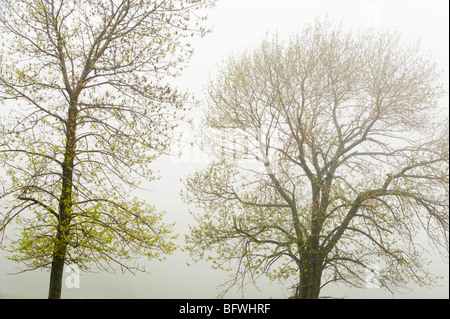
point(85, 82)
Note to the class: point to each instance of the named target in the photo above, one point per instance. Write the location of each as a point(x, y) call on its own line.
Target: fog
point(239, 25)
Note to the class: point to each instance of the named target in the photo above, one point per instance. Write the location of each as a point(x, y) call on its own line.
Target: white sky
point(241, 24)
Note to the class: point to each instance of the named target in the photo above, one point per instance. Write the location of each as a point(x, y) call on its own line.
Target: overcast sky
point(239, 25)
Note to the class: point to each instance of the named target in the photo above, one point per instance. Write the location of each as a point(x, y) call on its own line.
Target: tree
point(90, 110)
point(353, 163)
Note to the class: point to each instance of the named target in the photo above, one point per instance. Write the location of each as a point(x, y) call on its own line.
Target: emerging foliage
point(353, 162)
point(90, 110)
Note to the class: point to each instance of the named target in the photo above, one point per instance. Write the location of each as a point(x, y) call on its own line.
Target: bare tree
point(90, 110)
point(353, 157)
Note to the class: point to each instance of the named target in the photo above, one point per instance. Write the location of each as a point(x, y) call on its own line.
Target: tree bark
point(65, 206)
point(56, 274)
point(310, 278)
point(311, 258)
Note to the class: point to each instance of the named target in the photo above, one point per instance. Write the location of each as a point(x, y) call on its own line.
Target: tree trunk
point(311, 259)
point(310, 277)
point(65, 207)
point(56, 274)
point(61, 241)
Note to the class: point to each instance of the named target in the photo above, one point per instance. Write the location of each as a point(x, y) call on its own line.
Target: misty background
point(239, 25)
